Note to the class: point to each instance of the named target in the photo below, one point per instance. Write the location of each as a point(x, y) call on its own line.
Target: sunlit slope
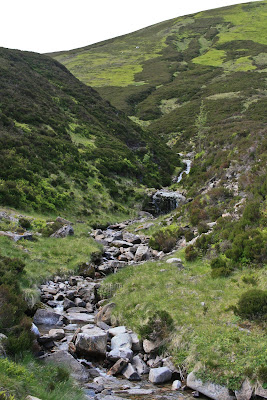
point(164, 76)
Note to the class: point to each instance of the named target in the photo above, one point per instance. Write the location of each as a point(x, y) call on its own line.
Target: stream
point(74, 328)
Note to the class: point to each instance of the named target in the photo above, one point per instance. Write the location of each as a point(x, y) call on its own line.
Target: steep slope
point(63, 146)
point(199, 81)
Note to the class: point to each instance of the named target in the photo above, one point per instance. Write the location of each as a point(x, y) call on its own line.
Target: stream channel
point(75, 327)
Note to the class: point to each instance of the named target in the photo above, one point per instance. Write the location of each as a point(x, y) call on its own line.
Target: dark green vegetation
point(63, 147)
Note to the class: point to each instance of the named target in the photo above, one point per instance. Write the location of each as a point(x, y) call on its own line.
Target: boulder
point(140, 365)
point(150, 347)
point(45, 317)
point(77, 370)
point(118, 353)
point(73, 310)
point(245, 392)
point(56, 334)
point(142, 253)
point(15, 236)
point(160, 375)
point(91, 342)
point(122, 243)
point(104, 314)
point(259, 391)
point(117, 331)
point(63, 232)
point(136, 343)
point(78, 318)
point(209, 389)
point(63, 221)
point(118, 366)
point(32, 398)
point(130, 373)
point(123, 340)
point(130, 237)
point(68, 304)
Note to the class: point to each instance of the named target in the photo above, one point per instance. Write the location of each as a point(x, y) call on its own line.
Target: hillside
point(198, 81)
point(64, 147)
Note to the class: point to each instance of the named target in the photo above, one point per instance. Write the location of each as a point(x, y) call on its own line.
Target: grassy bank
point(206, 333)
point(17, 380)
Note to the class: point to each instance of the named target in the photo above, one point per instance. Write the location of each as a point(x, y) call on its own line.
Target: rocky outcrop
point(209, 389)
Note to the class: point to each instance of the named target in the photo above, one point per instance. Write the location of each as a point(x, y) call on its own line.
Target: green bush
point(220, 267)
point(202, 227)
point(165, 239)
point(191, 253)
point(25, 223)
point(158, 326)
point(252, 305)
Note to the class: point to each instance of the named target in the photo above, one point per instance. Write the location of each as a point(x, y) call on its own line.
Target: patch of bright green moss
point(213, 57)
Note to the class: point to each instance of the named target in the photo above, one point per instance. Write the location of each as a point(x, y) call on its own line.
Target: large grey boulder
point(117, 330)
point(63, 232)
point(78, 318)
point(118, 353)
point(91, 342)
point(209, 389)
point(45, 317)
point(142, 253)
point(160, 375)
point(63, 358)
point(122, 340)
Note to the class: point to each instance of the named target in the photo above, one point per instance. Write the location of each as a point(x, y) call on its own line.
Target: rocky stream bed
point(75, 329)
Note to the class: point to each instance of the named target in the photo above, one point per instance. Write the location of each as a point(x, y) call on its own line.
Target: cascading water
point(186, 171)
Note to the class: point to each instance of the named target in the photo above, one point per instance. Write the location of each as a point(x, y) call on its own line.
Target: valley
point(133, 180)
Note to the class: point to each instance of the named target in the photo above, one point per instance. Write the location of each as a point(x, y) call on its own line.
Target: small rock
point(176, 385)
point(130, 373)
point(63, 232)
point(56, 334)
point(68, 304)
point(118, 353)
point(136, 343)
point(150, 347)
point(142, 253)
point(104, 314)
point(140, 365)
point(118, 366)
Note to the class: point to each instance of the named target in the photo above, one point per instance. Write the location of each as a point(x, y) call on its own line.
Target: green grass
point(29, 377)
point(213, 57)
point(208, 335)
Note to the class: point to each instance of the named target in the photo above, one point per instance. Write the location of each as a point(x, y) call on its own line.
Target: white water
point(186, 171)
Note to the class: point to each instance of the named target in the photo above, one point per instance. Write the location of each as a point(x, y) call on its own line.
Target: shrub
point(220, 267)
point(159, 325)
point(191, 253)
point(165, 239)
point(202, 227)
point(189, 235)
point(252, 305)
point(25, 223)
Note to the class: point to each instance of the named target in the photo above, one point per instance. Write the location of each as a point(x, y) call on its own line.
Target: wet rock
point(118, 366)
point(97, 388)
point(104, 314)
point(209, 389)
point(73, 281)
point(68, 304)
point(138, 392)
point(71, 294)
point(75, 309)
point(130, 373)
point(45, 317)
point(79, 302)
point(140, 366)
point(59, 297)
point(65, 359)
point(142, 253)
point(91, 342)
point(63, 232)
point(123, 340)
point(118, 353)
point(160, 375)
